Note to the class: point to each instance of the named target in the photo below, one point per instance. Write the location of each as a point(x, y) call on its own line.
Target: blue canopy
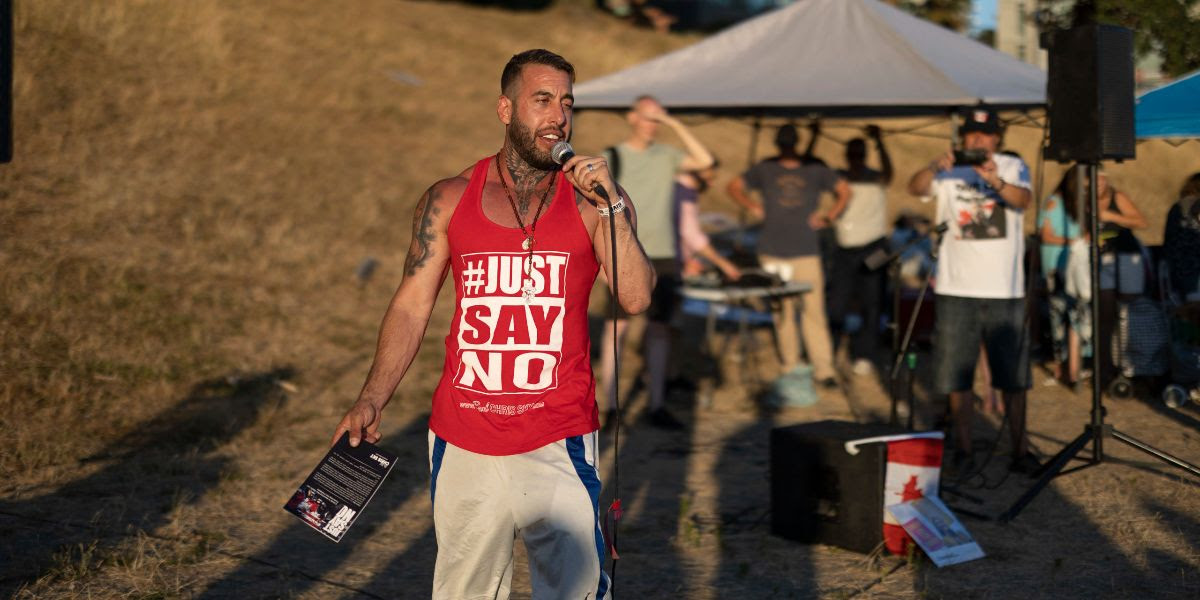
point(1170, 111)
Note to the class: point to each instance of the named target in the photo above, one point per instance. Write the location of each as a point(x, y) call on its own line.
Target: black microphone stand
point(1097, 429)
point(903, 391)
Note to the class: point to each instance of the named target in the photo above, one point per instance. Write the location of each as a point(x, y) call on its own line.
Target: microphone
point(562, 152)
point(881, 257)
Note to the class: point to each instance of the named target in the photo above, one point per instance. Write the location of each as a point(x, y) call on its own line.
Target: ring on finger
point(591, 167)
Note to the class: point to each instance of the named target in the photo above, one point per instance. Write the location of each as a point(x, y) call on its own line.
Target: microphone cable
point(561, 153)
point(614, 509)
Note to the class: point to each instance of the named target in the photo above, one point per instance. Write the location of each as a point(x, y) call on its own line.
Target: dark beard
point(523, 140)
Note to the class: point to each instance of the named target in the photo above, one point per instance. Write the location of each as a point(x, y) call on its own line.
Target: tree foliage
point(951, 14)
point(1169, 28)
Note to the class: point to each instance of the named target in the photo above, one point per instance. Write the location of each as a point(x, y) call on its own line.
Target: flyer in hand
point(936, 530)
point(341, 486)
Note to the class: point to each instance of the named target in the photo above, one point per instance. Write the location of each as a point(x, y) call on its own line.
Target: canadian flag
point(914, 467)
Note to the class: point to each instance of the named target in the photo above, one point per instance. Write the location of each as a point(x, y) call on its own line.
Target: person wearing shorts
point(512, 435)
point(981, 281)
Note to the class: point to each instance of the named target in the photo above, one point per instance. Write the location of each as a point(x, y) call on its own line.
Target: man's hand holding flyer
point(341, 486)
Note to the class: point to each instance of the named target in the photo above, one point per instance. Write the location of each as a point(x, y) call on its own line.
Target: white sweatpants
point(549, 496)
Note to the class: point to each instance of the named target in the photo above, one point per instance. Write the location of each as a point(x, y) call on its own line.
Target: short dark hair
point(1191, 187)
point(787, 136)
point(856, 147)
point(536, 56)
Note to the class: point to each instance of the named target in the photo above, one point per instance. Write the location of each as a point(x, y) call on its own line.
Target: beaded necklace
point(527, 290)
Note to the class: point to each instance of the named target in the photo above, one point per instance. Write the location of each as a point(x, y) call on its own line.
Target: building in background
point(1017, 31)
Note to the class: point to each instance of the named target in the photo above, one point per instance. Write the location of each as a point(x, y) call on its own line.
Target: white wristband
point(616, 208)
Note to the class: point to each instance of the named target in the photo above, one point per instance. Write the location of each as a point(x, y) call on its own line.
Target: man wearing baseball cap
point(981, 278)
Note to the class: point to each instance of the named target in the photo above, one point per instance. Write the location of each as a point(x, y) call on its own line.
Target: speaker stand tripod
point(1096, 430)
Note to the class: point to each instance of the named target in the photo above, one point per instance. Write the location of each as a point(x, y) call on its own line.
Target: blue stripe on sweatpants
point(587, 474)
point(439, 450)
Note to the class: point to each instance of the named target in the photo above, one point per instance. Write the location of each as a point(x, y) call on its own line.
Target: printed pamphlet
point(341, 486)
point(936, 530)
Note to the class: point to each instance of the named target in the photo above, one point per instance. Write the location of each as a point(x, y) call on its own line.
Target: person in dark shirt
point(790, 189)
point(1181, 241)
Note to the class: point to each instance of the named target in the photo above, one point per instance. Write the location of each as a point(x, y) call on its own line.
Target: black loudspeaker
point(822, 494)
point(6, 62)
point(1089, 90)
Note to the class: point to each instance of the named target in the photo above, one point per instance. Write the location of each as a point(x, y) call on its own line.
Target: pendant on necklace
point(528, 243)
point(527, 291)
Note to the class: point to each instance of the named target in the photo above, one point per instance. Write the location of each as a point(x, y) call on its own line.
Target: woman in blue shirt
point(1070, 322)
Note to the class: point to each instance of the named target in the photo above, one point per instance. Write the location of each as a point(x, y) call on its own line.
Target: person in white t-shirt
point(981, 280)
point(861, 225)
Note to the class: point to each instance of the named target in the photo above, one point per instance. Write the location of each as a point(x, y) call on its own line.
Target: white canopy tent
point(830, 58)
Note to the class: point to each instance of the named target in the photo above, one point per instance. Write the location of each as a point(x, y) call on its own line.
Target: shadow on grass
point(163, 464)
point(651, 486)
point(1055, 547)
point(299, 558)
point(1185, 415)
point(754, 563)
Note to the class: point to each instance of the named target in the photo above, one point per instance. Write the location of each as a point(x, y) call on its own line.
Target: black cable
point(616, 393)
point(966, 480)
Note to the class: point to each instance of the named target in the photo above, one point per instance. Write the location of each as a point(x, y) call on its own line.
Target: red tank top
point(518, 371)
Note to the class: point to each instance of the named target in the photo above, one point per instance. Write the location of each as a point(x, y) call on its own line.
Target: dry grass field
point(195, 185)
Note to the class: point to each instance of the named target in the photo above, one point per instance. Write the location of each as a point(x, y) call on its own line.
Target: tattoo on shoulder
point(423, 232)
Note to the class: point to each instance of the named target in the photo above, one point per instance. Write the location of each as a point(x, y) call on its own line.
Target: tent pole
point(956, 121)
point(754, 142)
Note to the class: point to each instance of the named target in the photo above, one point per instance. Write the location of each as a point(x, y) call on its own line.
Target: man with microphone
point(981, 195)
point(512, 436)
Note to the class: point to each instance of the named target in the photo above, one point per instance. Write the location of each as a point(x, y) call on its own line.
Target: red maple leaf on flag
point(910, 491)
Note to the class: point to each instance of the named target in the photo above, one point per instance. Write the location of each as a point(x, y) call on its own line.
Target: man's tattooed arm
point(408, 313)
point(424, 233)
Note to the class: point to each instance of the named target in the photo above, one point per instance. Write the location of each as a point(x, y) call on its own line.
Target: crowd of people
point(985, 304)
point(513, 435)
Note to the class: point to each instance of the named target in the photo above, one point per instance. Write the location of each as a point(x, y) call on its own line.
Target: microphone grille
point(561, 152)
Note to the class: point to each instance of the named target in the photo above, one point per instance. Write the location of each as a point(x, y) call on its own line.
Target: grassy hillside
point(194, 186)
point(195, 183)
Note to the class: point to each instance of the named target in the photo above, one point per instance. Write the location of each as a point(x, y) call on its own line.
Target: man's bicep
point(424, 270)
point(430, 246)
point(427, 234)
point(429, 250)
point(419, 291)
